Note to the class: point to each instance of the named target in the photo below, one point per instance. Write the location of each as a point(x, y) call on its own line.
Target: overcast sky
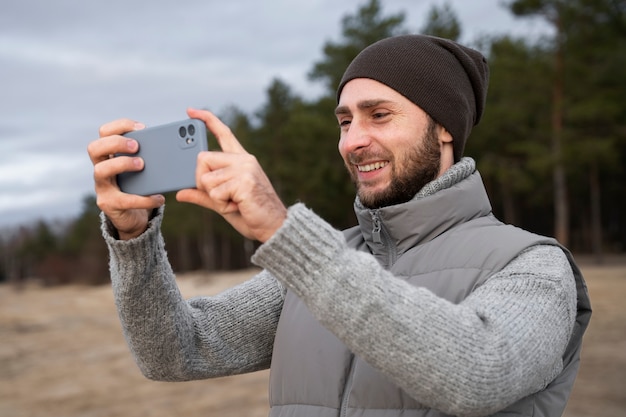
point(68, 66)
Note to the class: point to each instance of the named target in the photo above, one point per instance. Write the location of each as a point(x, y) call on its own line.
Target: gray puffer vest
point(449, 243)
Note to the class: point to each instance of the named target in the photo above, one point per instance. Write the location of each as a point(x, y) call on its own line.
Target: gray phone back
point(170, 155)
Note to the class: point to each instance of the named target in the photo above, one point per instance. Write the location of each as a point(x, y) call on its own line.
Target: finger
point(106, 171)
point(227, 140)
point(101, 149)
point(209, 162)
point(116, 201)
point(224, 197)
point(197, 197)
point(201, 198)
point(236, 164)
point(119, 127)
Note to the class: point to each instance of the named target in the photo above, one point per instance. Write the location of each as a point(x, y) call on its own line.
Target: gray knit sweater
point(532, 302)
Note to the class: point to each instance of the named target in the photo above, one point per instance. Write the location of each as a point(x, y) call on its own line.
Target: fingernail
point(139, 126)
point(131, 145)
point(137, 162)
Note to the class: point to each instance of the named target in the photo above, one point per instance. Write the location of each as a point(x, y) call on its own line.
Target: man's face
point(390, 146)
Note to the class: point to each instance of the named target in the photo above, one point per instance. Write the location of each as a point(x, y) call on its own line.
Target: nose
point(354, 137)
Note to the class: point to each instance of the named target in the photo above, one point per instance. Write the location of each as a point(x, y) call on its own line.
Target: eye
point(344, 122)
point(380, 114)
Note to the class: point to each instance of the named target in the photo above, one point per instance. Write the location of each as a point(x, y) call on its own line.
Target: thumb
point(225, 137)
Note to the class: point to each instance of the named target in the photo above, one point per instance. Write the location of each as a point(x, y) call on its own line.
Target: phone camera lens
point(182, 131)
point(191, 129)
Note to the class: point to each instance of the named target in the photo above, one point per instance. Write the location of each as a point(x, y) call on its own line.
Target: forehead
point(367, 89)
point(364, 93)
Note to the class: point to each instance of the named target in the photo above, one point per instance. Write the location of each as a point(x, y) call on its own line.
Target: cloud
point(67, 66)
point(38, 185)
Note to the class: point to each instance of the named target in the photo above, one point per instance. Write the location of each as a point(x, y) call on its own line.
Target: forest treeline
point(549, 147)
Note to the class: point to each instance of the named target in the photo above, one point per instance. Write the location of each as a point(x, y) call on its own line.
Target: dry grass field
point(62, 354)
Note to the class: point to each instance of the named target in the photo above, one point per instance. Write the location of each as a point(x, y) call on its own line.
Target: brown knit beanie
point(446, 80)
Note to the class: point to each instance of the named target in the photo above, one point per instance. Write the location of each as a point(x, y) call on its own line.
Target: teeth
point(371, 167)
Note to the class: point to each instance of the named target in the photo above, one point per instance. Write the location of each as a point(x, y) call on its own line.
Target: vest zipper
point(343, 412)
point(381, 236)
point(376, 228)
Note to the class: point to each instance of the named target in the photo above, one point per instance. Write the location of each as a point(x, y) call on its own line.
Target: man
point(429, 307)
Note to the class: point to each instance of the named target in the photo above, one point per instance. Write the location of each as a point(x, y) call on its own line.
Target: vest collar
point(399, 227)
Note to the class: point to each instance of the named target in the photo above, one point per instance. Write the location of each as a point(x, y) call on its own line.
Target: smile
point(372, 167)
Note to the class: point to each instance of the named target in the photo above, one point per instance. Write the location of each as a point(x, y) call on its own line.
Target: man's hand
point(233, 184)
point(129, 213)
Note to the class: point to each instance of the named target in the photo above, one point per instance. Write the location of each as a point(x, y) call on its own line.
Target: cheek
point(341, 148)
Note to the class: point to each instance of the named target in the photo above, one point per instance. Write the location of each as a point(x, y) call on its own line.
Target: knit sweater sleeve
point(173, 339)
point(503, 342)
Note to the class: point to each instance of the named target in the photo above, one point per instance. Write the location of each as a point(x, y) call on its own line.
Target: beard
point(410, 173)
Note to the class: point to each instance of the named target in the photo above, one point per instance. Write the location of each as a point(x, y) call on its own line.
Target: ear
point(446, 147)
point(444, 135)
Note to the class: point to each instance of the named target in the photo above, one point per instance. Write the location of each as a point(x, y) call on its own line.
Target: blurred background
point(550, 149)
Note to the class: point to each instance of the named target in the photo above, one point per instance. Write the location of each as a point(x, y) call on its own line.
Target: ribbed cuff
point(302, 247)
point(136, 249)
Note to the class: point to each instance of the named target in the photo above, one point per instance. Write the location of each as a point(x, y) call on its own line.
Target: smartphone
point(169, 153)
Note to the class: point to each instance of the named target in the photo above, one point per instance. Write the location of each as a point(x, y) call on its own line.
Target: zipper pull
point(376, 228)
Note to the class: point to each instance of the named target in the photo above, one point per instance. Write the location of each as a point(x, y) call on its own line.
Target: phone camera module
point(182, 131)
point(191, 129)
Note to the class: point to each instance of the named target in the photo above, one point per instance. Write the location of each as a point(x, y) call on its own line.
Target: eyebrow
point(365, 104)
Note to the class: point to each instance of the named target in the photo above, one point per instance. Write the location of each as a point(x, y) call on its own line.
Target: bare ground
point(62, 354)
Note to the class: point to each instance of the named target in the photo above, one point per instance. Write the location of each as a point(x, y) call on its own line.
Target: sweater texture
point(532, 302)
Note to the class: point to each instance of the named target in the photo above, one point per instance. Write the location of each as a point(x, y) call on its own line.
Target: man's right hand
point(129, 213)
